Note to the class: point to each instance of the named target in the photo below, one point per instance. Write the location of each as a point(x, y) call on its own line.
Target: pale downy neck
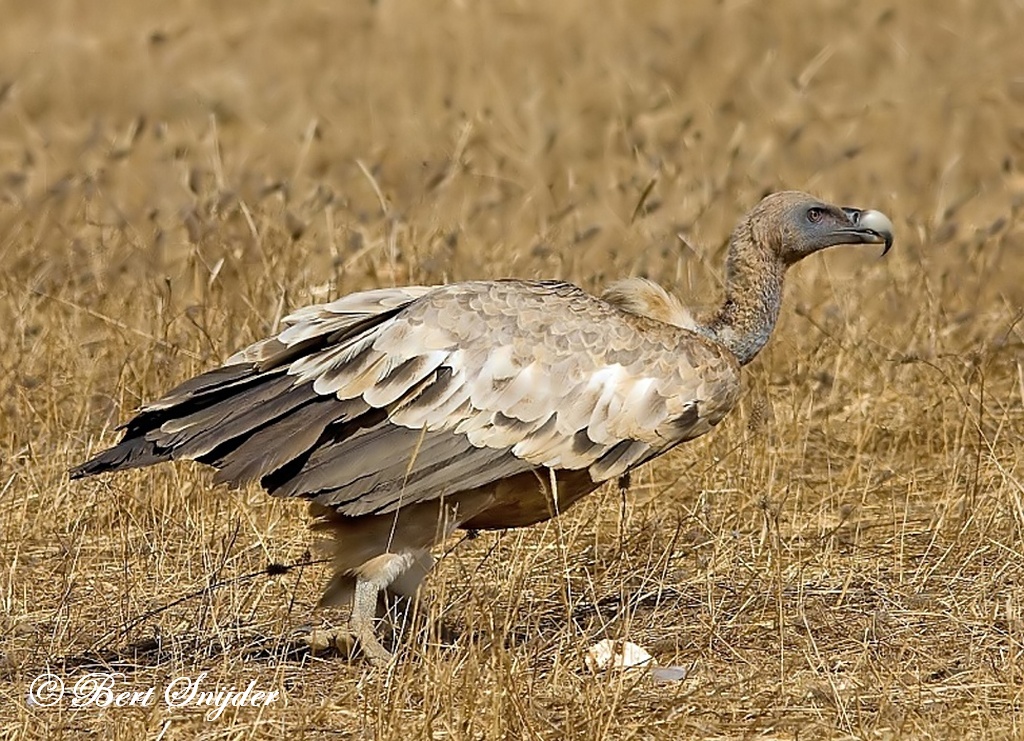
point(753, 297)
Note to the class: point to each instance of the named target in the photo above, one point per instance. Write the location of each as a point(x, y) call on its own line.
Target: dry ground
point(842, 559)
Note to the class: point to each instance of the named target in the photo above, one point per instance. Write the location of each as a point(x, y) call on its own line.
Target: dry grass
point(842, 559)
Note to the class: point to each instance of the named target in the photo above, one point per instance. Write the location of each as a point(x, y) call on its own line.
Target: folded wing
point(392, 397)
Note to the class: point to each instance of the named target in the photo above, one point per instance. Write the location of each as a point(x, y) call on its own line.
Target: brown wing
point(455, 388)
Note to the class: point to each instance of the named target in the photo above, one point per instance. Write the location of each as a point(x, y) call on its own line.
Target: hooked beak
point(869, 227)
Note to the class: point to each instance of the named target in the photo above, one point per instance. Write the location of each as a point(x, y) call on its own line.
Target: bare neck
point(753, 297)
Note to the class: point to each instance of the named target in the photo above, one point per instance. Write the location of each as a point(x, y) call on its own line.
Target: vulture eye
point(814, 214)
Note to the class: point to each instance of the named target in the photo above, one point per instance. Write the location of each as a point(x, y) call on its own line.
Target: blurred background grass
point(841, 559)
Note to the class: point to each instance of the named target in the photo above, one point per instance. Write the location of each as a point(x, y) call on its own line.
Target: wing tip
point(131, 453)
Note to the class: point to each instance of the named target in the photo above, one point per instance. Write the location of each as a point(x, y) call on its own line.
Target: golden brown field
point(843, 558)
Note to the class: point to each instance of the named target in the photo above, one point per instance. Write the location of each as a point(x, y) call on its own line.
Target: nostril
point(853, 214)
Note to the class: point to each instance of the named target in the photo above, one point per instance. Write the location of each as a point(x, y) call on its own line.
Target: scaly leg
point(360, 623)
point(372, 577)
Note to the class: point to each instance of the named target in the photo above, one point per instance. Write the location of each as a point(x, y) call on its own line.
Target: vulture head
point(794, 225)
point(778, 232)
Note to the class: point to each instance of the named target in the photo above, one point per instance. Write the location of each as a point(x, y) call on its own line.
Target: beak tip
point(880, 224)
point(887, 245)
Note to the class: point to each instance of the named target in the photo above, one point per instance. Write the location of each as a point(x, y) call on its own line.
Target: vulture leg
point(381, 555)
point(360, 622)
point(372, 578)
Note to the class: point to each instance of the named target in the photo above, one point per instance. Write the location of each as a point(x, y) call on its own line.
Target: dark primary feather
point(193, 396)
